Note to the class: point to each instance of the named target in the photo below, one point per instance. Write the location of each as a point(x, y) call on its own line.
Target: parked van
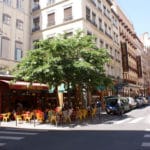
point(117, 105)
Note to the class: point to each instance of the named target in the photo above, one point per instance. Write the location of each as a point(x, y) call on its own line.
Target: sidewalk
point(85, 124)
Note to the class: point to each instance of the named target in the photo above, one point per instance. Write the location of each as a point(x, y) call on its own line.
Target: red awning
point(22, 85)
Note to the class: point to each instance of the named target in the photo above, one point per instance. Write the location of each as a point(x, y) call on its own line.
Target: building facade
point(24, 22)
point(146, 61)
point(15, 32)
point(95, 17)
point(131, 47)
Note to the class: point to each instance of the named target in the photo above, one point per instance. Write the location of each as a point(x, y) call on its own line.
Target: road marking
point(147, 135)
point(2, 144)
point(122, 121)
point(11, 138)
point(136, 120)
point(145, 144)
point(21, 133)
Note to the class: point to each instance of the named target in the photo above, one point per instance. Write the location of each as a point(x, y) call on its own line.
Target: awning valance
point(22, 85)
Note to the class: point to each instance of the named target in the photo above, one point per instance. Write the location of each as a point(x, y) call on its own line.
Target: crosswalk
point(17, 135)
point(146, 141)
point(129, 120)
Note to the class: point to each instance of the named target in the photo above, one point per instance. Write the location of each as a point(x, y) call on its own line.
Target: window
point(68, 34)
point(88, 14)
point(99, 5)
point(19, 24)
point(93, 18)
point(101, 44)
point(106, 30)
point(6, 19)
point(51, 19)
point(100, 25)
point(5, 47)
point(19, 4)
point(89, 33)
point(68, 14)
point(7, 2)
point(104, 8)
point(109, 31)
point(50, 2)
point(36, 5)
point(35, 44)
point(36, 24)
point(108, 14)
point(94, 2)
point(18, 51)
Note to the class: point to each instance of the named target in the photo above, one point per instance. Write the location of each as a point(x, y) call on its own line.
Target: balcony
point(101, 29)
point(36, 28)
point(93, 2)
point(36, 7)
point(106, 33)
point(94, 23)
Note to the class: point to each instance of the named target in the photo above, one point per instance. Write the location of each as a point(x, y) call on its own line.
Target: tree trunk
point(79, 95)
point(89, 96)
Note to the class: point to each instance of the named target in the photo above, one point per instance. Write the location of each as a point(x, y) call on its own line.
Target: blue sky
point(138, 12)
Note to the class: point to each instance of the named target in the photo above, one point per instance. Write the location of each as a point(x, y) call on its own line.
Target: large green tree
point(73, 60)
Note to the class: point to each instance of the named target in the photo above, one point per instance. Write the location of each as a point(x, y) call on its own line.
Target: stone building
point(14, 32)
point(95, 17)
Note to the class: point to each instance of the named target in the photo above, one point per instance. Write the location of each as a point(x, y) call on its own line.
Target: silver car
point(132, 102)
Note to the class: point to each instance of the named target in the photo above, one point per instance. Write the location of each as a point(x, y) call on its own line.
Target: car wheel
point(108, 111)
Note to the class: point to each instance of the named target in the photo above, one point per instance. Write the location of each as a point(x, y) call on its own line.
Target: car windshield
point(111, 101)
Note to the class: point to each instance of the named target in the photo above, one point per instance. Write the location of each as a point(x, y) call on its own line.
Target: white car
point(132, 102)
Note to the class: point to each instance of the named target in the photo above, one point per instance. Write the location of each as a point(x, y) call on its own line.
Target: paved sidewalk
point(85, 124)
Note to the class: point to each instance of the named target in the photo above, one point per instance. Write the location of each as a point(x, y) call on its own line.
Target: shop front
point(29, 95)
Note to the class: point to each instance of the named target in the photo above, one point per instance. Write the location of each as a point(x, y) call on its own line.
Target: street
point(130, 132)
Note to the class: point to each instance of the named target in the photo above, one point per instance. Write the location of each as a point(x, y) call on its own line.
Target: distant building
point(130, 49)
point(145, 38)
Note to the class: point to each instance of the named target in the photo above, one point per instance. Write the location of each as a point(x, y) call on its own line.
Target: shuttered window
point(68, 14)
point(5, 47)
point(51, 19)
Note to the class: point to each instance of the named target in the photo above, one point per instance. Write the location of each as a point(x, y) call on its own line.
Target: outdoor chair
point(18, 118)
point(6, 116)
point(27, 116)
point(40, 117)
point(93, 112)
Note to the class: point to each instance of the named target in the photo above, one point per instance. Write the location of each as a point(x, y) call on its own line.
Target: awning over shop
point(22, 85)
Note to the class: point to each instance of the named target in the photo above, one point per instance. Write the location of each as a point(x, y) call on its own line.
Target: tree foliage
point(75, 60)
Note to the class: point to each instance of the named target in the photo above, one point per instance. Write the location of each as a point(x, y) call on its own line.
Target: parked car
point(141, 101)
point(132, 102)
point(117, 105)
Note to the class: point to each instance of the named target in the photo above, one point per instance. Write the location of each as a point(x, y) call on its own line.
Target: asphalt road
point(130, 132)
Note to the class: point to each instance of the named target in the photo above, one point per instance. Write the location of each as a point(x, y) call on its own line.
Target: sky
point(138, 12)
